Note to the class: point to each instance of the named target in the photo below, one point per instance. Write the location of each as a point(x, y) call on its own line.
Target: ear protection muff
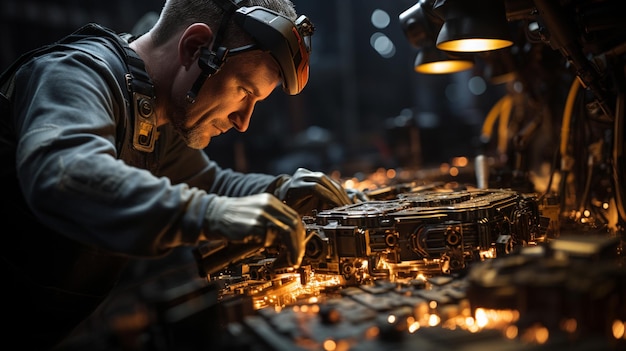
point(211, 61)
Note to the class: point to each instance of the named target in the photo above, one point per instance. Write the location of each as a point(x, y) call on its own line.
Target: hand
point(262, 219)
point(357, 195)
point(306, 191)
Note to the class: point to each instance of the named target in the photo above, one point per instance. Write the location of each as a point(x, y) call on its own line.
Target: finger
point(293, 243)
point(281, 215)
point(334, 193)
point(340, 195)
point(321, 181)
point(356, 195)
point(278, 224)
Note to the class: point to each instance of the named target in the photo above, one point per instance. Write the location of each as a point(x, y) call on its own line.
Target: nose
point(241, 118)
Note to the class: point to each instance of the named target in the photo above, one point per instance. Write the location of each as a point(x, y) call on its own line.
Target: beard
point(193, 135)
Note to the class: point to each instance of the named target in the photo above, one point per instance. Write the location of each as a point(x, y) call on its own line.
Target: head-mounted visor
point(288, 42)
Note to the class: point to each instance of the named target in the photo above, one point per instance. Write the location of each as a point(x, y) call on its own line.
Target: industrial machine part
point(432, 232)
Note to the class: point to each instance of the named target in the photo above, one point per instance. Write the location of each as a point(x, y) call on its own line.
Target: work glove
point(257, 219)
point(357, 195)
point(306, 191)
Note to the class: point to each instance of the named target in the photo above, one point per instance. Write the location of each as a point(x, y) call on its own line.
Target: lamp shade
point(431, 60)
point(473, 26)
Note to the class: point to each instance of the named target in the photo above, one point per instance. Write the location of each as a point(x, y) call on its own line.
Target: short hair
point(177, 14)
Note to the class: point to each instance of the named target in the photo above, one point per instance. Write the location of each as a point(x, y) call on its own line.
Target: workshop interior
point(488, 137)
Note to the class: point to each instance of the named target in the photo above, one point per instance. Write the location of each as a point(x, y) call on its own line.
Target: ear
point(196, 36)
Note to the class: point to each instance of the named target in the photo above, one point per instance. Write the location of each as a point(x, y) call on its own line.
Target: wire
point(567, 116)
point(503, 124)
point(500, 110)
point(492, 116)
point(618, 156)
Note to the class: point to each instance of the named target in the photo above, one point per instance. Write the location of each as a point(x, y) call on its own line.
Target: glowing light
point(329, 345)
point(432, 304)
point(382, 44)
point(474, 45)
point(536, 334)
point(515, 315)
point(460, 161)
point(454, 171)
point(491, 253)
point(542, 334)
point(349, 184)
point(444, 168)
point(586, 213)
point(380, 18)
point(372, 333)
point(510, 332)
point(465, 308)
point(441, 67)
point(391, 319)
point(433, 320)
point(481, 317)
point(569, 325)
point(421, 311)
point(473, 328)
point(414, 327)
point(605, 205)
point(618, 329)
point(391, 173)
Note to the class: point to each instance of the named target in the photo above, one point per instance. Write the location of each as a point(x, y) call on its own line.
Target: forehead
point(256, 65)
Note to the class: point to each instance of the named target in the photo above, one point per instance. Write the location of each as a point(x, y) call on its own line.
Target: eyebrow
point(247, 83)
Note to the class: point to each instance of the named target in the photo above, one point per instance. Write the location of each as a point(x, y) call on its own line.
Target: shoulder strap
point(140, 87)
point(137, 83)
point(143, 96)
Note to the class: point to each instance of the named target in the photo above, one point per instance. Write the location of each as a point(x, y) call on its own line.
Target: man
point(102, 151)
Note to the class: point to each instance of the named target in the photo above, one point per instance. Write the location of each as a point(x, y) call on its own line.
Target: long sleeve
point(67, 109)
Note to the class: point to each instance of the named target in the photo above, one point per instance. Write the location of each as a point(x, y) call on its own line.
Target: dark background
point(361, 110)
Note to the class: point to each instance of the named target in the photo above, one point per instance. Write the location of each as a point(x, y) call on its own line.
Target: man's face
point(226, 99)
